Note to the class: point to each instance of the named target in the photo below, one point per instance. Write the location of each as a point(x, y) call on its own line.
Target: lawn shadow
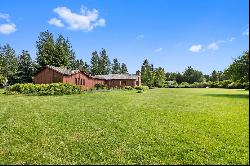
point(229, 95)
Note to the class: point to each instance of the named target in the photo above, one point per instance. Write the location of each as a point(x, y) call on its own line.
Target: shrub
point(128, 88)
point(171, 84)
point(100, 86)
point(236, 85)
point(44, 89)
point(143, 88)
point(184, 85)
point(140, 91)
point(246, 85)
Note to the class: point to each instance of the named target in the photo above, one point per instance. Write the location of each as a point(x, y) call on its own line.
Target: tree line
point(52, 51)
point(58, 52)
point(238, 71)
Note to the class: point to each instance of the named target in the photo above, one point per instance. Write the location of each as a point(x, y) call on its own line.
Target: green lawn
point(160, 126)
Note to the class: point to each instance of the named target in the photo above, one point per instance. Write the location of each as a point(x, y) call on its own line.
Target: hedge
point(43, 89)
point(222, 84)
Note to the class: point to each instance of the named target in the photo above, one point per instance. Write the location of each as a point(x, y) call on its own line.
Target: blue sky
point(206, 34)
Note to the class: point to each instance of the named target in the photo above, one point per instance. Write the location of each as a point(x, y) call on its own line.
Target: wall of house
point(120, 83)
point(82, 80)
point(47, 76)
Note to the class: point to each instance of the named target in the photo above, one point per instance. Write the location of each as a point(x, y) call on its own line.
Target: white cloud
point(56, 22)
point(158, 49)
point(5, 16)
point(195, 48)
point(213, 46)
point(86, 20)
point(246, 32)
point(141, 36)
point(7, 28)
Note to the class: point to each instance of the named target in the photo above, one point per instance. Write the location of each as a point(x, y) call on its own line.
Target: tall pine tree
point(147, 75)
point(94, 67)
point(25, 68)
point(104, 63)
point(56, 53)
point(9, 64)
point(116, 67)
point(124, 69)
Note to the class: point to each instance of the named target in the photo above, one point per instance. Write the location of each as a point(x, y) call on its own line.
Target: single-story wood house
point(51, 74)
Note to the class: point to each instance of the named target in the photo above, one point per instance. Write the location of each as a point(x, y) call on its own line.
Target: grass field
point(160, 126)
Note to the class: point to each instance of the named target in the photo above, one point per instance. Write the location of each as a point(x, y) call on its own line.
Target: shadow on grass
point(230, 95)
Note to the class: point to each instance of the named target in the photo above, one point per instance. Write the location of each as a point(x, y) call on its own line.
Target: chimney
point(138, 72)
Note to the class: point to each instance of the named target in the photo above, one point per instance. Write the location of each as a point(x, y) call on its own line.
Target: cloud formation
point(195, 48)
point(56, 22)
point(86, 20)
point(216, 45)
point(213, 46)
point(158, 49)
point(6, 28)
point(246, 32)
point(141, 36)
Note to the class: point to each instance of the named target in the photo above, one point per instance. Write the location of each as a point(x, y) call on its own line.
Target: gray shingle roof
point(63, 70)
point(117, 77)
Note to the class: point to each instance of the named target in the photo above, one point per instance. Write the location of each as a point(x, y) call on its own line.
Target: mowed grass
point(160, 126)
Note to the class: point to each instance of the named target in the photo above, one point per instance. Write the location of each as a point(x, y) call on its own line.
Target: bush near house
point(143, 88)
point(43, 89)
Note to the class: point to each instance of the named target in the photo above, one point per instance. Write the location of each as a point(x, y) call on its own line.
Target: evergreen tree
point(116, 67)
point(214, 76)
point(9, 64)
point(81, 65)
point(104, 63)
point(45, 49)
point(94, 67)
point(124, 69)
point(56, 53)
point(147, 75)
point(25, 68)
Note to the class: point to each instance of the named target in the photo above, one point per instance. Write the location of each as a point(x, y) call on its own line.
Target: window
point(76, 81)
point(83, 81)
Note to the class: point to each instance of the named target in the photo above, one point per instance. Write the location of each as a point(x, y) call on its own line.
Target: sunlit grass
point(160, 126)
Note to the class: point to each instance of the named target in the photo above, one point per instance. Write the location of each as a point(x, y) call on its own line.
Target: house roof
point(63, 70)
point(117, 77)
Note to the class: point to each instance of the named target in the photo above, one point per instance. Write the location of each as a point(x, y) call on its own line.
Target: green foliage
point(239, 69)
point(143, 88)
point(44, 89)
point(104, 63)
point(116, 67)
point(147, 73)
point(159, 77)
point(56, 53)
point(94, 67)
point(124, 69)
point(100, 86)
point(81, 65)
point(191, 75)
point(9, 64)
point(128, 88)
point(25, 68)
